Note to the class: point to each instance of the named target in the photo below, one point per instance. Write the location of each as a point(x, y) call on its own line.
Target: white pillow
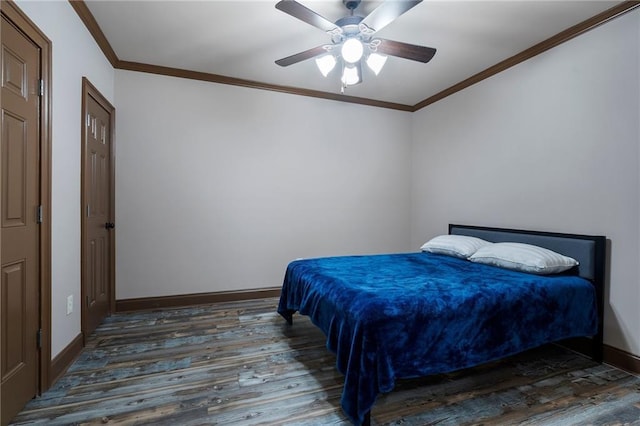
point(454, 245)
point(524, 258)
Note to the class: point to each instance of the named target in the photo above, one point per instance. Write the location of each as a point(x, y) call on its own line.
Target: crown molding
point(94, 29)
point(215, 78)
point(92, 25)
point(535, 50)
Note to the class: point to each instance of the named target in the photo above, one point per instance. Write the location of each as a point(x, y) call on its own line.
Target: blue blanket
point(409, 315)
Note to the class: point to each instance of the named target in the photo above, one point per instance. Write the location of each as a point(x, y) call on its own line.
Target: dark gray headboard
point(589, 250)
point(583, 248)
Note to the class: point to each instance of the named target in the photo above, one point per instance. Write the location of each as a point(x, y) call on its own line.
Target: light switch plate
point(69, 304)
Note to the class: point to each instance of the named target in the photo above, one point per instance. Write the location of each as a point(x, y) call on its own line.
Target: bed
point(409, 315)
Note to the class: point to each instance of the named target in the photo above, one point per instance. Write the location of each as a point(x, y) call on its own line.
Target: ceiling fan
point(352, 39)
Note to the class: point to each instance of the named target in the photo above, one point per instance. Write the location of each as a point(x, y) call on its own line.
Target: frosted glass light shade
point(352, 50)
point(376, 61)
point(325, 64)
point(350, 75)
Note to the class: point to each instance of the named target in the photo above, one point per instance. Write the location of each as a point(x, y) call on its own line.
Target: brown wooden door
point(98, 221)
point(20, 183)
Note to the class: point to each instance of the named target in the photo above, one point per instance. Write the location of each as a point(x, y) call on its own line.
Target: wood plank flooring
point(239, 363)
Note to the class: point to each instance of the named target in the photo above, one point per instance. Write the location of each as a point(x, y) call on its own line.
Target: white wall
point(75, 54)
point(219, 187)
point(551, 144)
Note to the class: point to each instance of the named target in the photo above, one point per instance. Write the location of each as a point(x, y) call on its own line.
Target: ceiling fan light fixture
point(352, 50)
point(353, 36)
point(350, 75)
point(325, 64)
point(376, 61)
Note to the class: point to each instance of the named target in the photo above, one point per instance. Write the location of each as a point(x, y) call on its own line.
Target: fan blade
point(406, 50)
point(388, 11)
point(305, 14)
point(302, 56)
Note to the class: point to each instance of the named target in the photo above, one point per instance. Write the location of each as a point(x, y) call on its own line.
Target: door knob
point(109, 225)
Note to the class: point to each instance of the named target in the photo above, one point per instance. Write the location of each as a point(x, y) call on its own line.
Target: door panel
point(14, 285)
point(20, 195)
point(14, 167)
point(97, 189)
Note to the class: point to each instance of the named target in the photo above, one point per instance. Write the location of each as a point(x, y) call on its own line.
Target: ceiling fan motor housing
point(349, 24)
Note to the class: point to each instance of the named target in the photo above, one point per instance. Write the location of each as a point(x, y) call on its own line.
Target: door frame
point(90, 91)
point(18, 18)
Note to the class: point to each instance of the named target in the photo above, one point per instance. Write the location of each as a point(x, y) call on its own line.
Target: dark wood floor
point(239, 363)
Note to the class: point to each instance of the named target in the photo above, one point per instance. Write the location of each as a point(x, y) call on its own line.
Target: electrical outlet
point(69, 304)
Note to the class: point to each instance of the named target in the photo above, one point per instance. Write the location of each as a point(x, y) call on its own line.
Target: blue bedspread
point(408, 315)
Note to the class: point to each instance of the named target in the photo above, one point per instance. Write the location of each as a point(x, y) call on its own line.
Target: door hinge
point(39, 338)
point(41, 87)
point(39, 214)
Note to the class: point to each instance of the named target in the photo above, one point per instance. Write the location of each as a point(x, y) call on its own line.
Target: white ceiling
point(243, 38)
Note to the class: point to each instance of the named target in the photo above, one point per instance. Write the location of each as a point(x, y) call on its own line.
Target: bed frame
point(588, 250)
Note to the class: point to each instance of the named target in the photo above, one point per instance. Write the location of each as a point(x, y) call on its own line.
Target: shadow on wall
point(611, 319)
